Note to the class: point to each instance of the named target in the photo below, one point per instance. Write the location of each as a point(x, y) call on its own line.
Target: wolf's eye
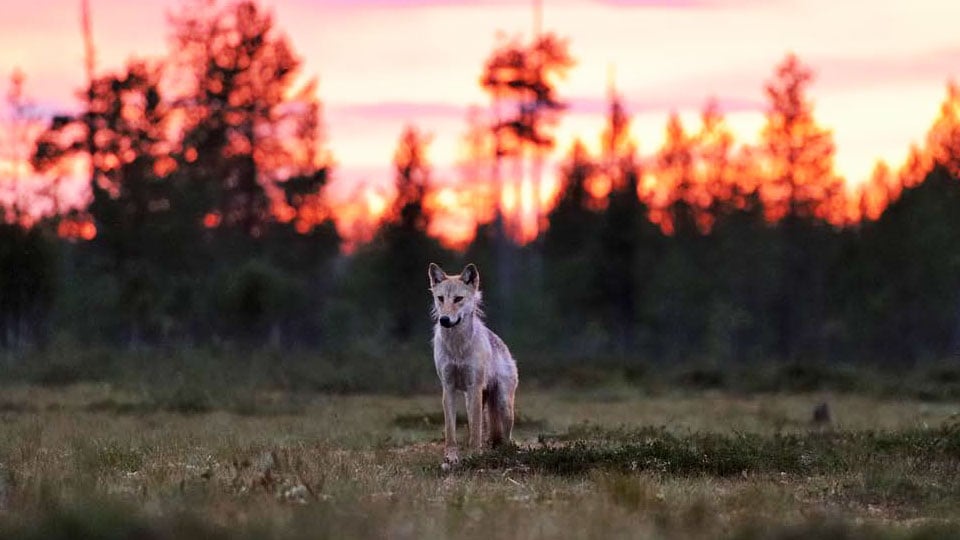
point(457, 299)
point(440, 299)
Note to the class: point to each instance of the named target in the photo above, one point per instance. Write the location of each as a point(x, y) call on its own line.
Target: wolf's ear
point(435, 274)
point(471, 276)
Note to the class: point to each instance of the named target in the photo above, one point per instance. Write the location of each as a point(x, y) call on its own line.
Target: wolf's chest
point(460, 376)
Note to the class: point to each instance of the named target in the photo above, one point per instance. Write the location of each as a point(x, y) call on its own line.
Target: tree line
point(207, 221)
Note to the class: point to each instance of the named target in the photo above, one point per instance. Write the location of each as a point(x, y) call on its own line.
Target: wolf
point(470, 359)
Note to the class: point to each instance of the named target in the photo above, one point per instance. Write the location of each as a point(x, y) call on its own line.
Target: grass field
point(92, 460)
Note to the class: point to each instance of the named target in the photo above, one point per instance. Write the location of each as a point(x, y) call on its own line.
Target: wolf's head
point(454, 297)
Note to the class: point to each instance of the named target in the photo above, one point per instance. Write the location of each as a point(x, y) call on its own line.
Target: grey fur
point(472, 360)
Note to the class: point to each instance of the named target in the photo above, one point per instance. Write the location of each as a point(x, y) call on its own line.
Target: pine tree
point(798, 154)
point(800, 189)
point(402, 248)
point(249, 126)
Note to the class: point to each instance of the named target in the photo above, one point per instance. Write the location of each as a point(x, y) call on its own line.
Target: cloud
point(684, 4)
point(655, 3)
point(397, 110)
point(742, 88)
point(859, 71)
point(401, 4)
point(637, 103)
point(664, 103)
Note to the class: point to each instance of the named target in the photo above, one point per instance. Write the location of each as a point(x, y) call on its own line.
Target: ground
point(91, 460)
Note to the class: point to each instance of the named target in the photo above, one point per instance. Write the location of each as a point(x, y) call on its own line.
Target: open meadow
point(720, 238)
point(104, 460)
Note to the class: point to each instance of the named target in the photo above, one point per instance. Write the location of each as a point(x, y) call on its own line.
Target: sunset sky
point(881, 66)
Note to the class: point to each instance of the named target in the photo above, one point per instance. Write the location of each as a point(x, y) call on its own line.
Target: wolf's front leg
point(475, 416)
point(450, 425)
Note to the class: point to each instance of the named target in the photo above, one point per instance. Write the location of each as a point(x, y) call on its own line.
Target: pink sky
point(881, 66)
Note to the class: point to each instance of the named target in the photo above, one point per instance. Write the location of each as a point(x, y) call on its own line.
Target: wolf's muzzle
point(447, 323)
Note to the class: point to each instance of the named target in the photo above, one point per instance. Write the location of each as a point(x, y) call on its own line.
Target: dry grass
point(91, 461)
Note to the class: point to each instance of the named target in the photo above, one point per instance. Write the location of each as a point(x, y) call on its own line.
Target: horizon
point(726, 51)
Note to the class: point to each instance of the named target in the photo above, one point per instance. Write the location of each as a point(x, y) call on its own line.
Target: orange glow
point(284, 212)
point(898, 76)
point(88, 231)
point(508, 201)
point(358, 216)
point(376, 204)
point(446, 198)
point(81, 228)
point(453, 218)
point(528, 226)
point(861, 74)
point(212, 220)
point(598, 186)
point(164, 166)
point(456, 209)
point(943, 139)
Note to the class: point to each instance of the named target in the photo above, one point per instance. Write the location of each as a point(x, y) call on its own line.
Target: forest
point(206, 222)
